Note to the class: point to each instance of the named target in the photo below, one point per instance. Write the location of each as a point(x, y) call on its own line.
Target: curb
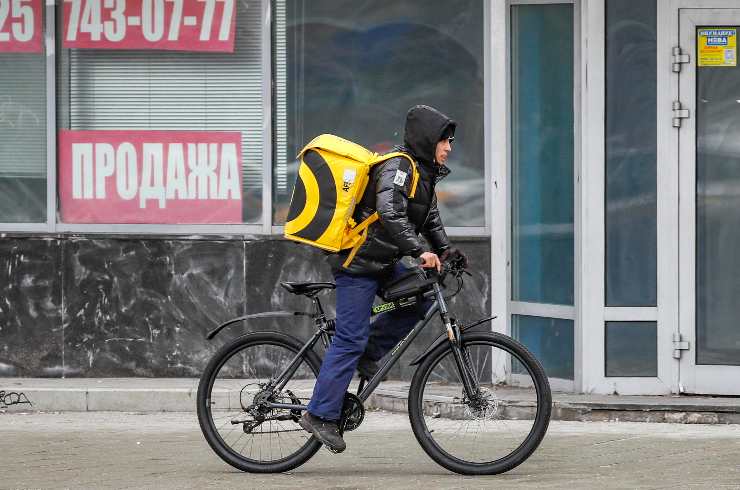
point(394, 401)
point(158, 399)
point(102, 400)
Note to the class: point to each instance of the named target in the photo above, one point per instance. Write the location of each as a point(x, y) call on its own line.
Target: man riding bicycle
point(428, 138)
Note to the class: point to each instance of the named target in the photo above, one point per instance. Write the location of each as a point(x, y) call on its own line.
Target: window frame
point(502, 240)
point(593, 311)
point(266, 227)
point(49, 225)
point(638, 307)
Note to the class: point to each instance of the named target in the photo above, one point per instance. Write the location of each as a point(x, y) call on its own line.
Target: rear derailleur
point(261, 412)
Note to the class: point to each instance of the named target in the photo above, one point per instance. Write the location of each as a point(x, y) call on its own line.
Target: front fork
point(461, 356)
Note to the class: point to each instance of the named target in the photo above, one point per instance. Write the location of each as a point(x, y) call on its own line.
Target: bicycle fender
point(443, 338)
point(264, 314)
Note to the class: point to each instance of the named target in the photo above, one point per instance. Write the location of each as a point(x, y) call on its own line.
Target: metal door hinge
point(679, 59)
point(679, 113)
point(679, 345)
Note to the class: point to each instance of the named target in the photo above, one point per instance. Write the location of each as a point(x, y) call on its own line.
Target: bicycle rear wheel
point(241, 430)
point(504, 422)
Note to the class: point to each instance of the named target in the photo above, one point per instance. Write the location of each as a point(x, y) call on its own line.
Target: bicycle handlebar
point(454, 265)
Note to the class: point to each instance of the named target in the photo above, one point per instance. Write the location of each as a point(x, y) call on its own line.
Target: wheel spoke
point(485, 430)
point(237, 388)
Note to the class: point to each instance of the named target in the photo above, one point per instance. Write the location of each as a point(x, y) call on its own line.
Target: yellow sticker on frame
point(717, 46)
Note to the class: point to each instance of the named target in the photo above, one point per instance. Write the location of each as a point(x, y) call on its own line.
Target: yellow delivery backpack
point(331, 180)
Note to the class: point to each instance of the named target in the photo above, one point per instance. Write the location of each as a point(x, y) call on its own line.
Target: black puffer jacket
point(402, 219)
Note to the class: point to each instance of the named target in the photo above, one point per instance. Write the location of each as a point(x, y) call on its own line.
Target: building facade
point(147, 159)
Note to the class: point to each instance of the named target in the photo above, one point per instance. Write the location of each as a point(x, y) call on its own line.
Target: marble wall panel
point(270, 262)
point(90, 306)
point(142, 307)
point(30, 307)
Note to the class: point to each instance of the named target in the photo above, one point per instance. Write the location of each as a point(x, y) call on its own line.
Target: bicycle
point(255, 387)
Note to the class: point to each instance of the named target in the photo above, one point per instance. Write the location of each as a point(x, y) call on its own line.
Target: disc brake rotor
point(484, 406)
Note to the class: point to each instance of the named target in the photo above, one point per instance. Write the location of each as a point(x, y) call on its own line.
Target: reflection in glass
point(549, 339)
point(22, 137)
point(717, 215)
point(542, 153)
point(631, 349)
point(631, 149)
point(353, 68)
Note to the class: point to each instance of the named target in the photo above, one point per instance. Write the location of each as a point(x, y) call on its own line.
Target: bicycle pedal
point(332, 450)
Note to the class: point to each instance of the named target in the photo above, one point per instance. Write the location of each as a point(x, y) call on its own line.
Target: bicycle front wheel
point(496, 429)
point(232, 398)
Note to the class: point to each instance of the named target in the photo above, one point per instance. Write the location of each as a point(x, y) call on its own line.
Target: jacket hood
point(424, 128)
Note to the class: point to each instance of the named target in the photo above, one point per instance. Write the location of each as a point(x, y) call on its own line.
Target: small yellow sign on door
point(717, 46)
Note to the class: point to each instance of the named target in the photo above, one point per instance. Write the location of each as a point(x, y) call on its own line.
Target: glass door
point(709, 203)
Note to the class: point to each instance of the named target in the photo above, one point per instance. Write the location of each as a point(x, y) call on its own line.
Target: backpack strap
point(414, 170)
point(361, 232)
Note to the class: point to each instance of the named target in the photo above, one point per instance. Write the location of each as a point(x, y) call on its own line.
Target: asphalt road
point(102, 450)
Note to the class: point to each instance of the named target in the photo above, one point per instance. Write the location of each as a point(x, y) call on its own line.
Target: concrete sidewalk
point(178, 395)
point(167, 451)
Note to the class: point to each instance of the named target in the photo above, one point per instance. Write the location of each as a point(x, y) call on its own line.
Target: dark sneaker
point(327, 432)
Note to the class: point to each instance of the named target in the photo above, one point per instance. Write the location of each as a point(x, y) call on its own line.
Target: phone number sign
point(21, 29)
point(178, 25)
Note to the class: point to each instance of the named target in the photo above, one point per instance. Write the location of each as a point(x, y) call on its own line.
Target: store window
point(542, 183)
point(353, 68)
point(161, 112)
point(550, 340)
point(631, 349)
point(631, 153)
point(22, 113)
point(542, 154)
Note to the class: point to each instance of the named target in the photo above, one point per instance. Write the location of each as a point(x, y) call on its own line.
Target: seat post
point(317, 305)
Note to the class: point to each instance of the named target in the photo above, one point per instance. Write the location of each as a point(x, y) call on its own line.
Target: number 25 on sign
point(20, 26)
point(147, 23)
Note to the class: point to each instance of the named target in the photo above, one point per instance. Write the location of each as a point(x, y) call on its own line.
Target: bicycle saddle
point(307, 288)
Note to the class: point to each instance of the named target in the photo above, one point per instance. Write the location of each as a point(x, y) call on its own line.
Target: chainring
point(353, 412)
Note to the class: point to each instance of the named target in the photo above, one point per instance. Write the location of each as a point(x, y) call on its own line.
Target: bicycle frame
point(438, 305)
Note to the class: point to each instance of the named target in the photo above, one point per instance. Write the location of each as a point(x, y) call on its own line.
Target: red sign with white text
point(150, 177)
point(21, 26)
point(182, 25)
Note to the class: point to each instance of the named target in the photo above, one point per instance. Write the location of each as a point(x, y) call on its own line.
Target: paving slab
point(117, 450)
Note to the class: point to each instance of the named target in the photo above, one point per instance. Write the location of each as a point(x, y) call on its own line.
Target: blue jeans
point(355, 296)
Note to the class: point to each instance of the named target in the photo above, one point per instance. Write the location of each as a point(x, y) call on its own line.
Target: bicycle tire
point(203, 401)
point(524, 450)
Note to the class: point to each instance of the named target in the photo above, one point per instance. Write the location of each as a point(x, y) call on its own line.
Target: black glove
point(456, 255)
